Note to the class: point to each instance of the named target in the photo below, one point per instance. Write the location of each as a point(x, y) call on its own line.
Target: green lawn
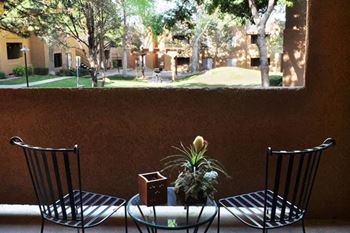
point(22, 80)
point(220, 77)
point(66, 83)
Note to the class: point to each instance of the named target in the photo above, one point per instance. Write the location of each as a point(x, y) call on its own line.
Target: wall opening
point(205, 50)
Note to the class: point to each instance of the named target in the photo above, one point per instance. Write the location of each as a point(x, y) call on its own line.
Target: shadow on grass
point(205, 85)
point(122, 78)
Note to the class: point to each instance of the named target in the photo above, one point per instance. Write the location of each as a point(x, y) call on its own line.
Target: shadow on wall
point(294, 45)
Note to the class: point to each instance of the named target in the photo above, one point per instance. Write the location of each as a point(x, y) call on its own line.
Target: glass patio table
point(172, 215)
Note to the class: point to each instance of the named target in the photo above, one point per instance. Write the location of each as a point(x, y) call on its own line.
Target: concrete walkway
point(26, 219)
point(312, 226)
point(24, 85)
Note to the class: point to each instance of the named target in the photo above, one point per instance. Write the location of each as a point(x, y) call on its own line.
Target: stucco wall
point(7, 65)
point(294, 45)
point(123, 132)
point(39, 53)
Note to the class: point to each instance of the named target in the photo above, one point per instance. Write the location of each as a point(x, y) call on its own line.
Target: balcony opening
point(178, 44)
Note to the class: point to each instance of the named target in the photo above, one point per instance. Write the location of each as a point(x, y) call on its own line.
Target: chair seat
point(249, 209)
point(96, 209)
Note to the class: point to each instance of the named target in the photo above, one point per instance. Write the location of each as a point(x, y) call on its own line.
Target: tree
point(19, 18)
point(130, 8)
point(219, 35)
point(86, 21)
point(195, 21)
point(258, 13)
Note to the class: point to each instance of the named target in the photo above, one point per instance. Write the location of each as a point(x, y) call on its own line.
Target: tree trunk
point(51, 60)
point(195, 54)
point(216, 55)
point(264, 62)
point(261, 21)
point(93, 66)
point(125, 34)
point(102, 61)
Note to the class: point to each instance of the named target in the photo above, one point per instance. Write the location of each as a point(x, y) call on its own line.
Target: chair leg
point(125, 219)
point(42, 225)
point(303, 224)
point(218, 218)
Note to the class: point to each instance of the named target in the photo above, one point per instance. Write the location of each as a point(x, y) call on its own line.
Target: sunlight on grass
point(22, 80)
point(225, 76)
point(216, 78)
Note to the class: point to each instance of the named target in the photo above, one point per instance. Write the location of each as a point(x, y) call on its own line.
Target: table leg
point(138, 227)
point(208, 226)
point(155, 219)
point(218, 218)
point(143, 216)
point(187, 214)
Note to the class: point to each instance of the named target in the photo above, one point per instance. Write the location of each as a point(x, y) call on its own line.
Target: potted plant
point(198, 173)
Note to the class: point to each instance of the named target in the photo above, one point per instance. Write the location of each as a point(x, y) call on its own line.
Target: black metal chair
point(286, 196)
point(56, 178)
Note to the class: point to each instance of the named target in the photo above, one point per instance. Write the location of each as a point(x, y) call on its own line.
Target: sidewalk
point(24, 85)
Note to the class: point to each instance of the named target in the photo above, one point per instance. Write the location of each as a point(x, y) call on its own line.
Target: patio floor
point(312, 226)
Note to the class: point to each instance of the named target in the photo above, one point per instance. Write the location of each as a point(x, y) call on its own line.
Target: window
point(58, 60)
point(255, 62)
point(254, 38)
point(14, 50)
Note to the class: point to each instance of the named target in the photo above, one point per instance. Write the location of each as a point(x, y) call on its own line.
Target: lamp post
point(25, 50)
point(78, 64)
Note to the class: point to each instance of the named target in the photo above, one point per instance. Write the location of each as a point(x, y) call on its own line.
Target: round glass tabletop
point(173, 215)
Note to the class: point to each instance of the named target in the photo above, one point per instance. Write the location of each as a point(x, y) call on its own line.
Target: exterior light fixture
point(25, 50)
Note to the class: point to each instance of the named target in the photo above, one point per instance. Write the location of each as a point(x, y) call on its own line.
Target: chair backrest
point(290, 177)
point(54, 174)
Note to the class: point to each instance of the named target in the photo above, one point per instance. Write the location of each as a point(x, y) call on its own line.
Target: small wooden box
point(152, 188)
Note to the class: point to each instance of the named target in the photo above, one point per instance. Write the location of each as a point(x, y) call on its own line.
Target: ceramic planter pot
point(152, 188)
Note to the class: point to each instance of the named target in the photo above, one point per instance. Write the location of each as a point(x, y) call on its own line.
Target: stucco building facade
point(38, 55)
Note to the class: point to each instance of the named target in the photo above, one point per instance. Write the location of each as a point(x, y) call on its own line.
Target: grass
point(228, 77)
point(216, 78)
point(22, 80)
point(67, 83)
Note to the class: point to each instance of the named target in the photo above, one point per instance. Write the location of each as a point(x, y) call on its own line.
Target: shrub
point(21, 71)
point(275, 80)
point(84, 72)
point(41, 71)
point(66, 72)
point(2, 75)
point(72, 72)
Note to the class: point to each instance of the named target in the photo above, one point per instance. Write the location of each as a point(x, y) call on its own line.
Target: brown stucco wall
point(39, 52)
point(294, 45)
point(123, 132)
point(7, 65)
